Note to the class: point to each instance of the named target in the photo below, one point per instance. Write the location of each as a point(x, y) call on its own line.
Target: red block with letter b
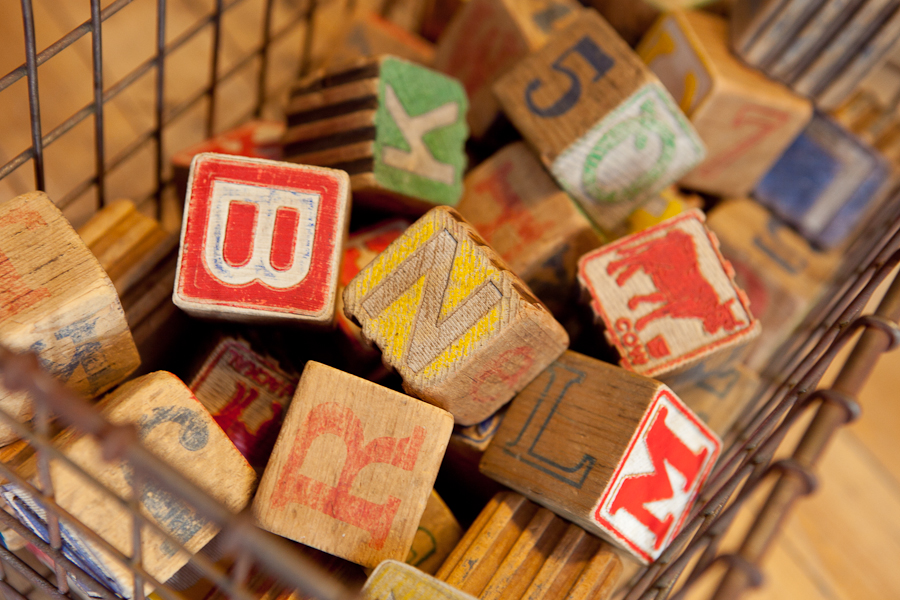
point(261, 240)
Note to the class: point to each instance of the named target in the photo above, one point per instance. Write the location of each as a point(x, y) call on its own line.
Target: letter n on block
point(615, 452)
point(463, 331)
point(261, 240)
point(353, 467)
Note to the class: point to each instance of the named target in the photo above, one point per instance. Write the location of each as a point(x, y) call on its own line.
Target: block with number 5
point(261, 240)
point(604, 125)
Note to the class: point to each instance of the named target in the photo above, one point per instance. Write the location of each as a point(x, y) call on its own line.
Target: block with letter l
point(603, 124)
point(461, 329)
point(261, 240)
point(353, 467)
point(397, 128)
point(614, 452)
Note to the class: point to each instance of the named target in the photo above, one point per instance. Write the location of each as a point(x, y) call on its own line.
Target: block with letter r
point(261, 240)
point(602, 123)
point(615, 452)
point(353, 467)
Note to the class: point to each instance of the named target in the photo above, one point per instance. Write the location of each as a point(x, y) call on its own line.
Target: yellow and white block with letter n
point(394, 580)
point(464, 332)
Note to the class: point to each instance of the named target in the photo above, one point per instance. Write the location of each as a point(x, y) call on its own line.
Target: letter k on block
point(353, 467)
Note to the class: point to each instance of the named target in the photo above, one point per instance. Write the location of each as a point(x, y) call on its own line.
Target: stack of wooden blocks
point(560, 323)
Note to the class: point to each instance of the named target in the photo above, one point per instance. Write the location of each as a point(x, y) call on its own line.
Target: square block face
point(824, 182)
point(635, 151)
point(353, 467)
point(261, 240)
point(420, 132)
point(461, 329)
point(247, 395)
point(666, 296)
point(659, 477)
point(394, 580)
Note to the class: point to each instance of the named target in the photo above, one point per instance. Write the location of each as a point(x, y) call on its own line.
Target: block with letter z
point(261, 240)
point(461, 329)
point(615, 452)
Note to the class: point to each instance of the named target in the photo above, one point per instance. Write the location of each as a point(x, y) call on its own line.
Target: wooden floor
point(842, 543)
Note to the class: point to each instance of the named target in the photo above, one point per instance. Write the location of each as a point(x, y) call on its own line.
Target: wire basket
point(246, 79)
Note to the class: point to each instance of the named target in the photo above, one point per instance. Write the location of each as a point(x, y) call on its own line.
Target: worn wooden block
point(487, 37)
point(666, 297)
point(396, 128)
point(745, 119)
point(316, 490)
point(367, 35)
point(517, 550)
point(760, 29)
point(824, 182)
point(261, 240)
point(361, 248)
point(520, 211)
point(596, 443)
point(259, 138)
point(173, 425)
point(56, 301)
point(460, 328)
point(394, 580)
point(778, 269)
point(603, 124)
point(247, 394)
point(436, 537)
point(669, 203)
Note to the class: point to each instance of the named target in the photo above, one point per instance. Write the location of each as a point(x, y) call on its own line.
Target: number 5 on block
point(603, 124)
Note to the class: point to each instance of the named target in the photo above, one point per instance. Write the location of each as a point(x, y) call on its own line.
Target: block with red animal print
point(353, 467)
point(666, 297)
point(487, 37)
point(617, 453)
point(57, 301)
point(247, 394)
point(261, 240)
point(538, 230)
point(745, 119)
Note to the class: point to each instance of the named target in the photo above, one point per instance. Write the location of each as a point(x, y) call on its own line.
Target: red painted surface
point(751, 125)
point(15, 295)
point(239, 233)
point(508, 369)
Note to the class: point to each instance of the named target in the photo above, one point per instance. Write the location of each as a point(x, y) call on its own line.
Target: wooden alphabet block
point(394, 580)
point(173, 425)
point(517, 550)
point(780, 272)
point(460, 328)
point(824, 183)
point(487, 37)
point(760, 29)
point(368, 35)
point(316, 489)
point(745, 119)
point(56, 301)
point(436, 537)
point(595, 443)
point(247, 394)
point(534, 225)
point(666, 297)
point(606, 128)
point(396, 128)
point(261, 240)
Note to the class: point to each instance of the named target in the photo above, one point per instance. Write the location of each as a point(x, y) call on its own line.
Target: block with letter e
point(261, 240)
point(600, 120)
point(397, 128)
point(613, 451)
point(745, 119)
point(353, 467)
point(461, 329)
point(666, 297)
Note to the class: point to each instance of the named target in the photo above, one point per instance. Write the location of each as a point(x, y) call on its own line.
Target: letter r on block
point(337, 501)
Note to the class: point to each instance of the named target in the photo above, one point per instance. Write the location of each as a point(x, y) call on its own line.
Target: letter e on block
point(261, 240)
point(666, 296)
point(615, 452)
point(463, 331)
point(353, 467)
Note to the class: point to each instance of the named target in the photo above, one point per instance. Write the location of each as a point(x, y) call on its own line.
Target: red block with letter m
point(261, 240)
point(658, 479)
